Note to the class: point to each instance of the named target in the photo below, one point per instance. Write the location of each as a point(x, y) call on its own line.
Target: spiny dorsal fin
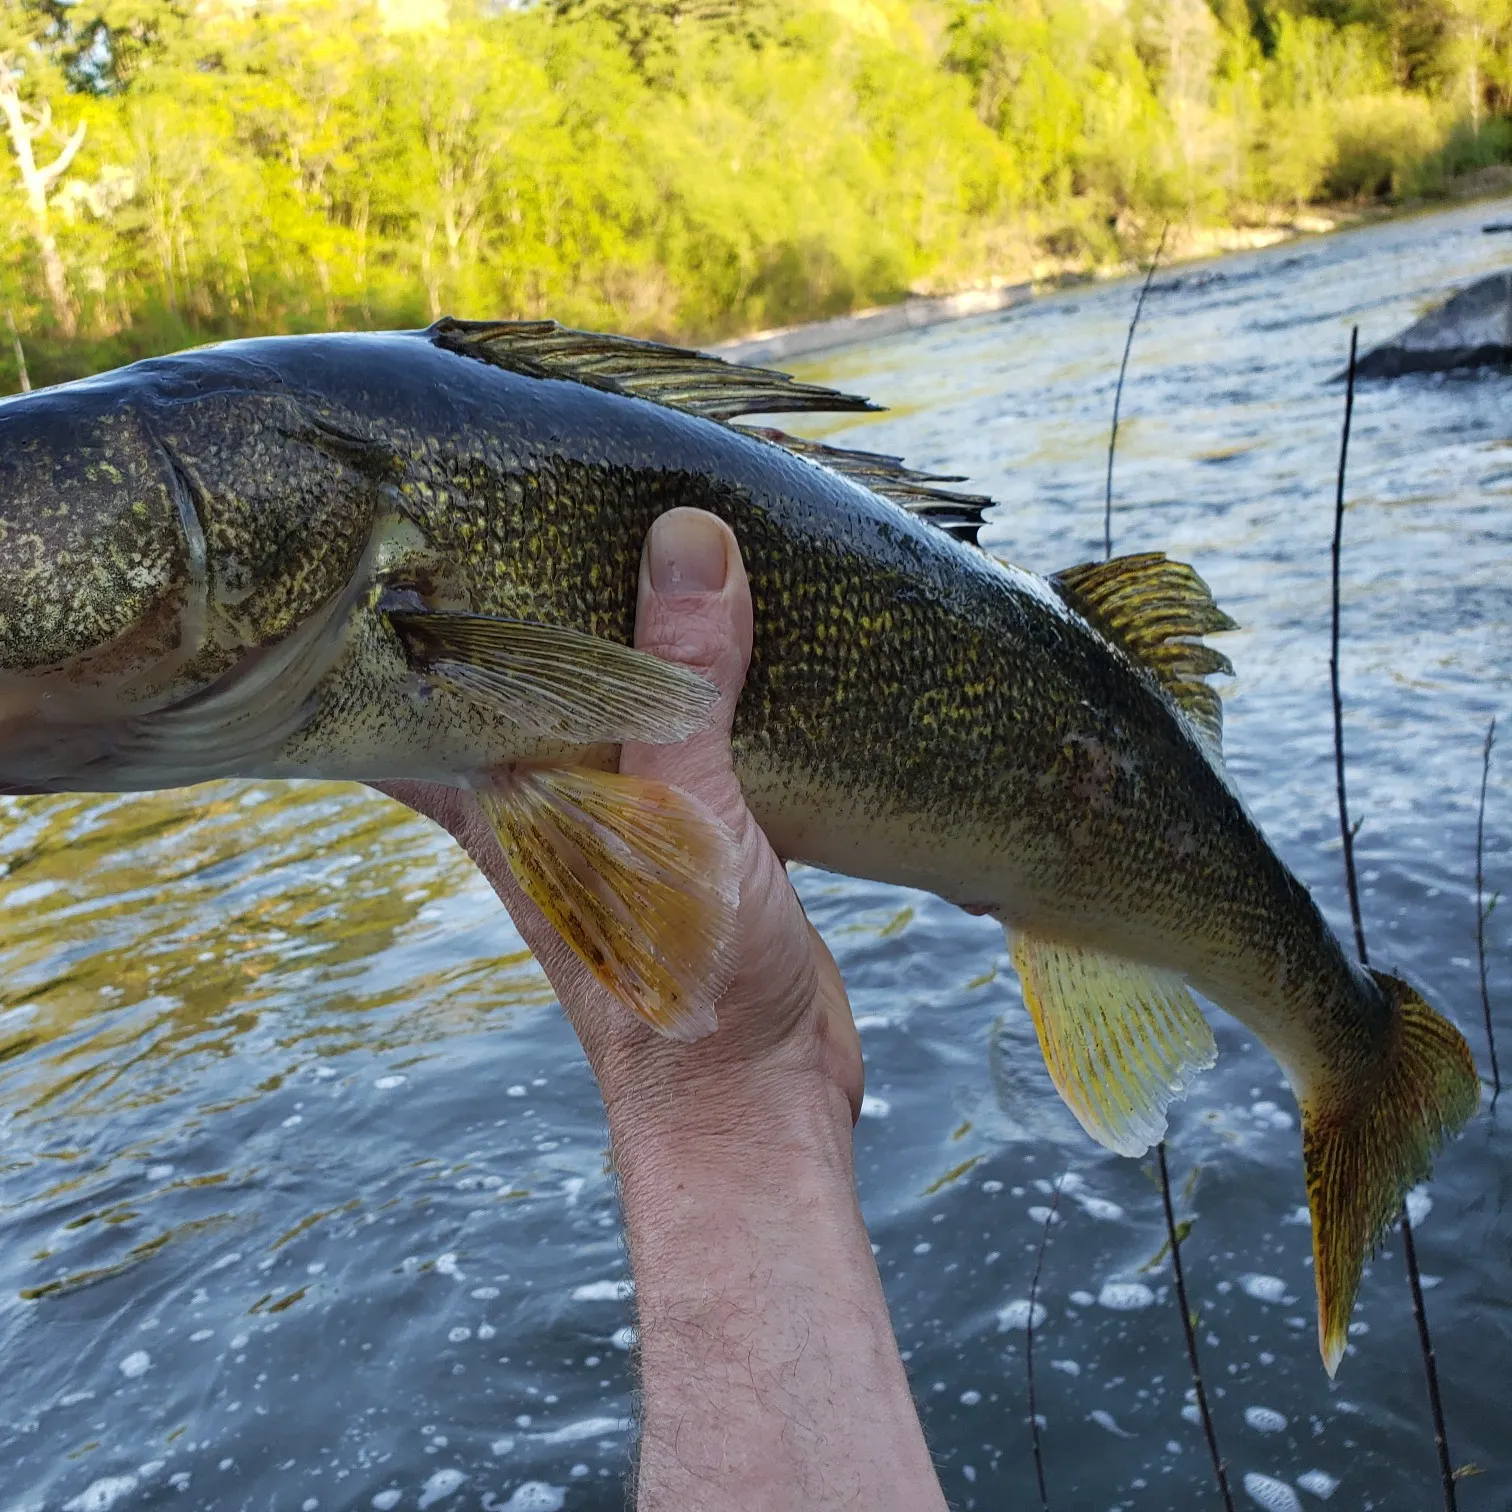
point(674, 376)
point(958, 514)
point(1156, 610)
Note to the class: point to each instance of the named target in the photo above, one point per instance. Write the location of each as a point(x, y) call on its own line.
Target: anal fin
point(637, 877)
point(1121, 1041)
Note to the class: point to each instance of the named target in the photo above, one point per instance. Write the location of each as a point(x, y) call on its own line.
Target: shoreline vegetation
point(182, 171)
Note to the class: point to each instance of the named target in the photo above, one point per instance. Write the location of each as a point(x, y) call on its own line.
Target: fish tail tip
point(1364, 1152)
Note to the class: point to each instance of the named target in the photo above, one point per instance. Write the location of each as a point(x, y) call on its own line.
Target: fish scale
point(416, 555)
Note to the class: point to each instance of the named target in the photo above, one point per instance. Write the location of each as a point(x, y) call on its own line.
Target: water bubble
point(1419, 1205)
point(603, 1291)
point(1066, 1367)
point(138, 1362)
point(1107, 1420)
point(1016, 1315)
point(103, 1494)
point(1099, 1208)
point(442, 1484)
point(387, 1084)
point(1319, 1482)
point(1264, 1288)
point(970, 1398)
point(1264, 1419)
point(1125, 1296)
point(535, 1496)
point(874, 1107)
point(1271, 1494)
point(386, 1499)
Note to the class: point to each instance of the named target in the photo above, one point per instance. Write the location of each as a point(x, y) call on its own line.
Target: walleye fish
point(414, 555)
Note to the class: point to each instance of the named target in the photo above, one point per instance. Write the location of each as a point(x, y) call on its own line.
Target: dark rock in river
point(1473, 330)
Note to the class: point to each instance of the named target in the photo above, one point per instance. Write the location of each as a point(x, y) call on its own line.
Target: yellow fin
point(558, 683)
point(638, 878)
point(1363, 1153)
point(1156, 610)
point(1121, 1041)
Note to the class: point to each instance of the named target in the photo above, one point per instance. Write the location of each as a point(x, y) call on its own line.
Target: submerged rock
point(1474, 329)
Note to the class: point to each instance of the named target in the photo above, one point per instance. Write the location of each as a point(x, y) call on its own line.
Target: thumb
point(694, 608)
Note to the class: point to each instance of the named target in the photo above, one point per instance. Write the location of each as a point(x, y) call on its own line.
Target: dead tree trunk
point(25, 124)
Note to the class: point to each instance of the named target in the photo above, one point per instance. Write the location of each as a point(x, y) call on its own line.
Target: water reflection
point(304, 1193)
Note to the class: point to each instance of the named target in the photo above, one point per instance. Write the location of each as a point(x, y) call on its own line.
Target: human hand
point(785, 1037)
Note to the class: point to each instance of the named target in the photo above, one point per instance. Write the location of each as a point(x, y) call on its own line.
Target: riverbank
point(1184, 244)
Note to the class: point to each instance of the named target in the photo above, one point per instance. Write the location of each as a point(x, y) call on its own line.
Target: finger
point(694, 608)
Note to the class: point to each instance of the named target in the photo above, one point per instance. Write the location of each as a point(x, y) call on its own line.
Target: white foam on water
point(1015, 1314)
point(1299, 1216)
point(1044, 1215)
point(502, 1446)
point(1264, 1288)
point(1108, 1421)
point(150, 1469)
point(1419, 1205)
point(585, 1428)
point(442, 1483)
point(1319, 1483)
point(386, 1499)
point(1083, 1299)
point(1274, 1495)
point(1192, 1413)
point(137, 1363)
point(623, 1338)
point(534, 1496)
point(459, 1335)
point(1066, 1367)
point(601, 1291)
point(446, 1265)
point(159, 1172)
point(1125, 1296)
point(388, 1083)
point(1101, 1209)
point(103, 1494)
point(226, 1260)
point(874, 1107)
point(970, 1398)
point(1264, 1419)
point(484, 1293)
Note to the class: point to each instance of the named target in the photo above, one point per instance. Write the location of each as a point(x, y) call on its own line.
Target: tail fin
point(1362, 1156)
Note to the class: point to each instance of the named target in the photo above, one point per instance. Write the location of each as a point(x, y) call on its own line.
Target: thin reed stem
point(1034, 1429)
point(1409, 1246)
point(1189, 1332)
point(1482, 912)
point(1123, 368)
point(1346, 832)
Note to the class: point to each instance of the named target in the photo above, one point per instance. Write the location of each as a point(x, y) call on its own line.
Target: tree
point(29, 123)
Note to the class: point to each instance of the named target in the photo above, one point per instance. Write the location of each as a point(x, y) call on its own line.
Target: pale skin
point(770, 1374)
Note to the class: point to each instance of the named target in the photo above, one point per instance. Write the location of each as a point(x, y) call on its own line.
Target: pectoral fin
point(1121, 1041)
point(638, 878)
point(557, 683)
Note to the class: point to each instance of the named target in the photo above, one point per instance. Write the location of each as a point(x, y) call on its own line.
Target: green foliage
point(677, 167)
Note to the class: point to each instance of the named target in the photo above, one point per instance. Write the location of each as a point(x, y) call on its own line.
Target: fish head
point(166, 532)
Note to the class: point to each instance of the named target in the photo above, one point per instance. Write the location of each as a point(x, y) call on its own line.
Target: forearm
point(770, 1375)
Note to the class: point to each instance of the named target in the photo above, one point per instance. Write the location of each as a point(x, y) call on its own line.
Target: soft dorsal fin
point(1157, 610)
point(961, 515)
point(674, 376)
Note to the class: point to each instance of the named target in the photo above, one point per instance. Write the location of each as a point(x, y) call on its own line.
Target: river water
point(304, 1191)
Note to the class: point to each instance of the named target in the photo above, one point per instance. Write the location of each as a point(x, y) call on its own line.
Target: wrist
point(744, 1127)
